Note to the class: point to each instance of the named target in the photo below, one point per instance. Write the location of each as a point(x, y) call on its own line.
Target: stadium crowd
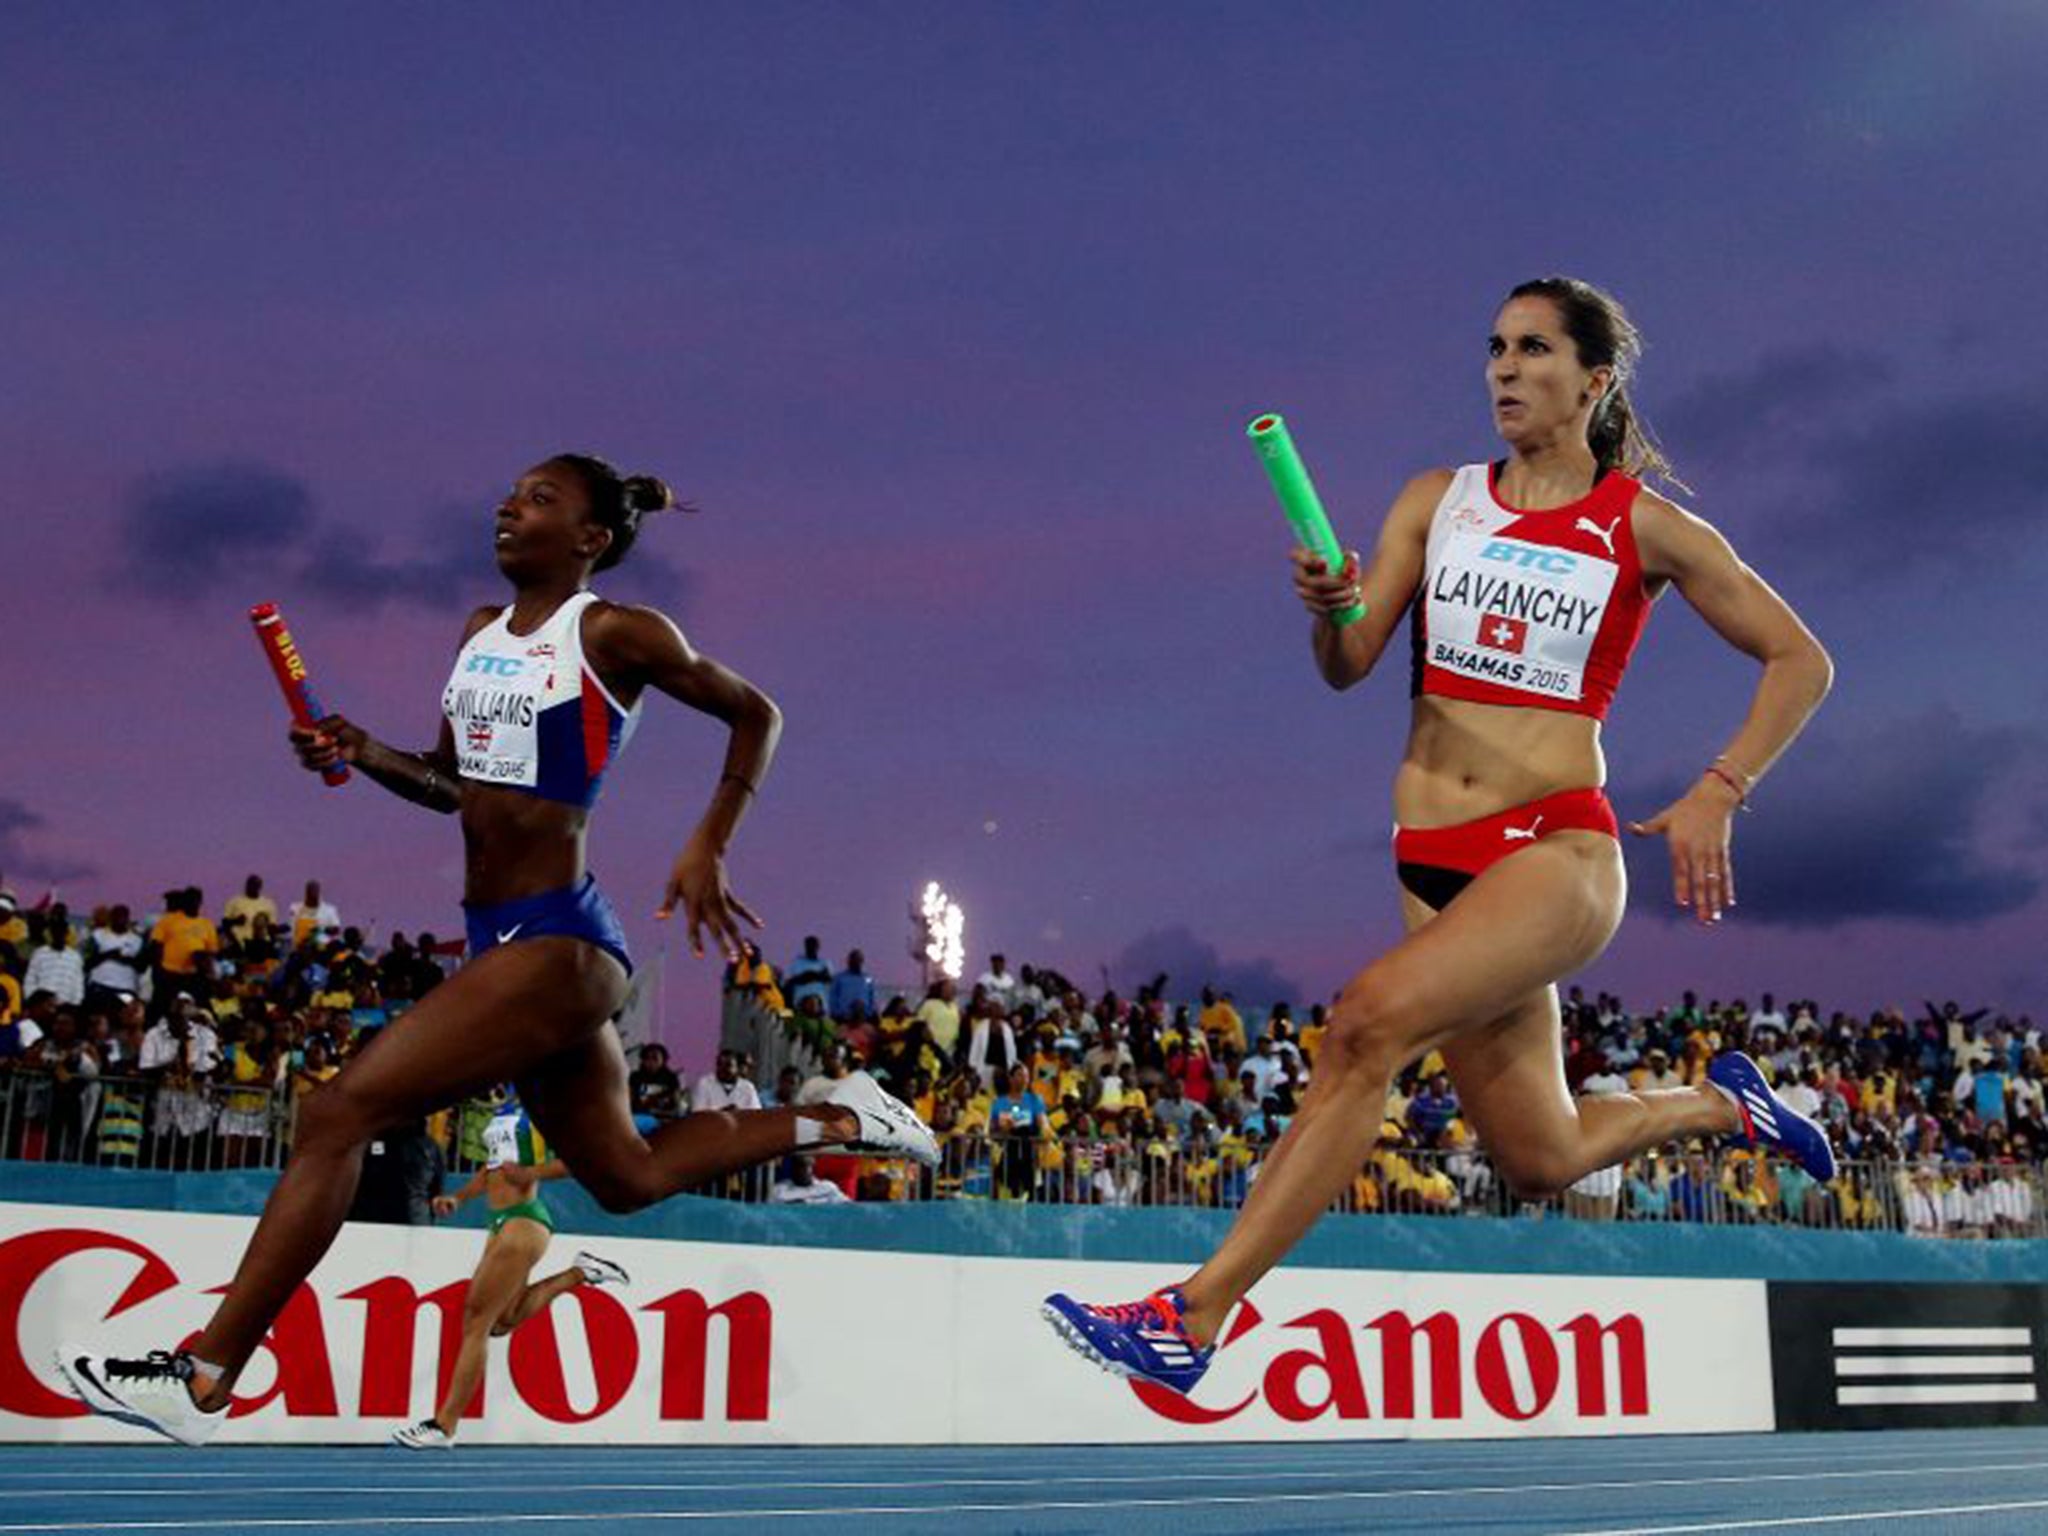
point(185, 1041)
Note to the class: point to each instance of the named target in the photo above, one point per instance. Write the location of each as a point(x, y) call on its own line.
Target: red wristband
point(1741, 794)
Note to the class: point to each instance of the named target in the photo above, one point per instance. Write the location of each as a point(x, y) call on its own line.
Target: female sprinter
point(499, 1298)
point(1530, 579)
point(543, 696)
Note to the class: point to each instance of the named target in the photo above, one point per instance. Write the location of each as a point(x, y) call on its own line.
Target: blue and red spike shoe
point(1144, 1340)
point(1768, 1119)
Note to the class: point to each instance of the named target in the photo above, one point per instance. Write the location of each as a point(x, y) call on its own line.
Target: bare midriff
point(515, 844)
point(510, 1185)
point(1467, 760)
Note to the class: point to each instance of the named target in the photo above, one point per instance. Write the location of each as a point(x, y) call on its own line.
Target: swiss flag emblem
point(1504, 634)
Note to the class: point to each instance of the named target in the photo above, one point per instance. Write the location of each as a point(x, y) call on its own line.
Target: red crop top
point(1540, 609)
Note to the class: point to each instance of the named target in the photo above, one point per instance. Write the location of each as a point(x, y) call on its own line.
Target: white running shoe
point(423, 1436)
point(598, 1271)
point(887, 1125)
point(150, 1392)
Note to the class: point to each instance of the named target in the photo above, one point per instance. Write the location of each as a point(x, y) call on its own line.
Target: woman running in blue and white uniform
point(542, 699)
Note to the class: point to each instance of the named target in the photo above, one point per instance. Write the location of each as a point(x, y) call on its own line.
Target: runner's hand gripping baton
point(290, 668)
point(1298, 498)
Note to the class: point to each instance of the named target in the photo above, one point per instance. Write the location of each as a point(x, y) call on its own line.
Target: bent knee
point(333, 1116)
point(1537, 1173)
point(1371, 1033)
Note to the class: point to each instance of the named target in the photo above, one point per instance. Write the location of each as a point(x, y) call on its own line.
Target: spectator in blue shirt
point(1018, 1110)
point(808, 975)
point(1984, 1091)
point(1017, 1119)
point(853, 985)
point(1433, 1109)
point(1692, 1188)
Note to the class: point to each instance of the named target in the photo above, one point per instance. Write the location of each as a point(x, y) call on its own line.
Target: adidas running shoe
point(888, 1126)
point(1768, 1119)
point(423, 1436)
point(152, 1392)
point(1143, 1340)
point(597, 1271)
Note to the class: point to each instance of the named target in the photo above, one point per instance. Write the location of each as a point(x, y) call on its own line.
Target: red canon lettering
point(1397, 1365)
point(686, 1352)
point(1185, 1410)
point(1337, 1361)
point(1590, 1368)
point(390, 1308)
point(536, 1359)
point(297, 1342)
point(1490, 1366)
point(26, 1259)
point(1303, 1384)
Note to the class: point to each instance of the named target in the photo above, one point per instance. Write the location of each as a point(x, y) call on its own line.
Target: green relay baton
point(1298, 497)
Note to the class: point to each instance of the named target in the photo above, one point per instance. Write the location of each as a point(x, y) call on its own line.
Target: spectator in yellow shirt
point(13, 927)
point(251, 915)
point(1219, 1020)
point(754, 974)
point(1313, 1031)
point(1750, 1197)
point(176, 938)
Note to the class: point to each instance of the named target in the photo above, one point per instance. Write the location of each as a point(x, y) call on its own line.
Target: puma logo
point(1522, 834)
point(1604, 535)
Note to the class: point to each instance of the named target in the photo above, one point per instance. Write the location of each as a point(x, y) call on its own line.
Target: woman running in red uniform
point(545, 692)
point(1529, 581)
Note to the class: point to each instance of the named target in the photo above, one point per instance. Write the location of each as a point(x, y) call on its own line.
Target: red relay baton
point(290, 668)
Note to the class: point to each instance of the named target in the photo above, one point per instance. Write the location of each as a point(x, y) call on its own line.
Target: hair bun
point(645, 493)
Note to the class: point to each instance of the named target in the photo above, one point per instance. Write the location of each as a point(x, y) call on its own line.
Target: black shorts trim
point(1431, 884)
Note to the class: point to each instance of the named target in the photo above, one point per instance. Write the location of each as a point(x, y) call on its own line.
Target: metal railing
point(133, 1122)
point(113, 1121)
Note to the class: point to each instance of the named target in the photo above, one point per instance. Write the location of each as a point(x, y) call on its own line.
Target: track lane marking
point(1335, 1496)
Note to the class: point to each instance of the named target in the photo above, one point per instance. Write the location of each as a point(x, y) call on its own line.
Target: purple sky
point(949, 316)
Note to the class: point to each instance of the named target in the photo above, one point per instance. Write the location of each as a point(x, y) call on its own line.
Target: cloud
point(1885, 826)
point(1878, 484)
point(17, 823)
point(1192, 963)
point(1947, 482)
point(186, 530)
point(1782, 398)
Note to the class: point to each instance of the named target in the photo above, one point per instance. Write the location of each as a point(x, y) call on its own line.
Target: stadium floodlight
point(945, 930)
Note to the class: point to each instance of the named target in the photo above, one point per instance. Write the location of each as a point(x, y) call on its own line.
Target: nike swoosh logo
point(510, 933)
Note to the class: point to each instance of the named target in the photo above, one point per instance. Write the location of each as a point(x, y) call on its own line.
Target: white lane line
point(466, 1487)
point(602, 1458)
point(1334, 1496)
point(1789, 1520)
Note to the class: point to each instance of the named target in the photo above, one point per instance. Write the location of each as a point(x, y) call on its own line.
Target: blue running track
point(1975, 1481)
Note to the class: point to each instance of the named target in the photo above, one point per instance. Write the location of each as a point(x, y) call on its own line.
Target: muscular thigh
point(1510, 1074)
point(489, 1023)
point(1516, 929)
point(500, 1278)
point(577, 1097)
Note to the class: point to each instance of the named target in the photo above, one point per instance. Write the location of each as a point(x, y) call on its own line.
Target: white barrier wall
point(729, 1344)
